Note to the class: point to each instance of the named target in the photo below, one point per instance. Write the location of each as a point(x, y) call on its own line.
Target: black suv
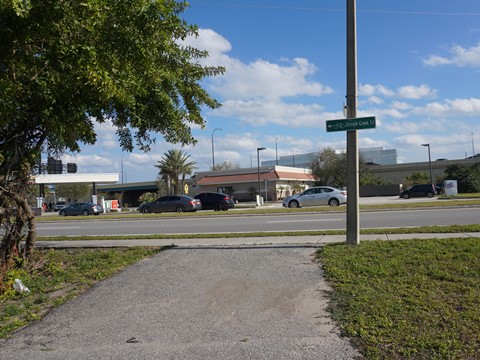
point(419, 190)
point(215, 201)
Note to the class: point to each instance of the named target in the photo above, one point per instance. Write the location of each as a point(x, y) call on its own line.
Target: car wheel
point(62, 213)
point(85, 212)
point(146, 210)
point(180, 208)
point(293, 204)
point(217, 207)
point(334, 202)
point(430, 195)
point(406, 196)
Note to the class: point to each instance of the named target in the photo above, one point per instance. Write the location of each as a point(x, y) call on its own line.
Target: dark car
point(169, 203)
point(215, 201)
point(84, 208)
point(419, 190)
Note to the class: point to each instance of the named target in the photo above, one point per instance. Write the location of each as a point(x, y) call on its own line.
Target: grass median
point(407, 299)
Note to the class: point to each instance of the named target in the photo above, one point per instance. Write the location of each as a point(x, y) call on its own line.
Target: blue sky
point(418, 73)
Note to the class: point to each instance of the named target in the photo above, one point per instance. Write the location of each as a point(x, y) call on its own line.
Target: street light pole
point(473, 148)
point(429, 162)
point(276, 152)
point(258, 168)
point(122, 169)
point(213, 148)
point(293, 157)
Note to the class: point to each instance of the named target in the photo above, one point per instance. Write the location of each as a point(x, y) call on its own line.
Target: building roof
point(243, 178)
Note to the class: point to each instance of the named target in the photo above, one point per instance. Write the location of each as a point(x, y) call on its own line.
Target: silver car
point(85, 208)
point(317, 196)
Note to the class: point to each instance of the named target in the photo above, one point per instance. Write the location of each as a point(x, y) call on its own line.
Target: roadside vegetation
point(55, 276)
point(415, 299)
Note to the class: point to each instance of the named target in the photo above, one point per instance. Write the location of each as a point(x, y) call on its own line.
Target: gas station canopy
point(102, 178)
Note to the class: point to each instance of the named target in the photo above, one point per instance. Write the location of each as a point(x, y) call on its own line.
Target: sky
point(285, 60)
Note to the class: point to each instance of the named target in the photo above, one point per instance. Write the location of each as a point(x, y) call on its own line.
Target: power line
point(393, 12)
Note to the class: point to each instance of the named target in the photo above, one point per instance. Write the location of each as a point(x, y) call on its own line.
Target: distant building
point(379, 155)
point(374, 155)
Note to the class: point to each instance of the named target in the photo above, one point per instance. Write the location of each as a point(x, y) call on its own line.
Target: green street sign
point(351, 124)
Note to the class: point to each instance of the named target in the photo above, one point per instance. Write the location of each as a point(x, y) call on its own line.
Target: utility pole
point(353, 223)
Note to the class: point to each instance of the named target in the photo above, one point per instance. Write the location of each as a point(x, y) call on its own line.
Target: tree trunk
point(17, 217)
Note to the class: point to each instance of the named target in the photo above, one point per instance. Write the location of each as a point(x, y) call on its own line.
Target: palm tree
point(175, 163)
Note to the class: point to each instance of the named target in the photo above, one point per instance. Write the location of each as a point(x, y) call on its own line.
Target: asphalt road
point(263, 303)
point(274, 222)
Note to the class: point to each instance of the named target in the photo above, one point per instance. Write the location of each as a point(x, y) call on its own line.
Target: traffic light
point(71, 168)
point(54, 166)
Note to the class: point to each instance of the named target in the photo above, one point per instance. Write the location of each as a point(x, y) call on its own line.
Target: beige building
point(275, 182)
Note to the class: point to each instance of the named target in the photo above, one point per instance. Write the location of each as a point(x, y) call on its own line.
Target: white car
point(317, 196)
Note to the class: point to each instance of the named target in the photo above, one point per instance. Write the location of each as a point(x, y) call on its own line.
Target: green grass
point(55, 276)
point(415, 299)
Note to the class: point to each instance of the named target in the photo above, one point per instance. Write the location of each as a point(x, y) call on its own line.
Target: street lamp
point(293, 157)
point(429, 162)
point(122, 169)
point(473, 147)
point(276, 152)
point(258, 167)
point(213, 149)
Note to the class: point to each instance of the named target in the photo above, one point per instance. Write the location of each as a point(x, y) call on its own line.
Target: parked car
point(316, 196)
point(215, 201)
point(168, 203)
point(419, 190)
point(83, 208)
point(59, 206)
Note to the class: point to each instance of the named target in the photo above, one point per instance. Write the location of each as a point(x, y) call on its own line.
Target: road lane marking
point(306, 220)
point(57, 227)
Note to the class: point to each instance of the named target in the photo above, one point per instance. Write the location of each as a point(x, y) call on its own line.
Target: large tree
point(330, 168)
point(173, 168)
point(226, 165)
point(67, 64)
point(72, 192)
point(468, 177)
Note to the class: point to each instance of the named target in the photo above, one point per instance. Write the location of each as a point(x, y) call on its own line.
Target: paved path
point(232, 303)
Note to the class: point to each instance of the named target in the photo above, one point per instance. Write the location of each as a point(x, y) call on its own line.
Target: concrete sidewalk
point(306, 241)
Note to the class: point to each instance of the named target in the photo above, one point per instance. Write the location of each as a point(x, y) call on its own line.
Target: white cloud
point(406, 92)
point(399, 105)
point(375, 100)
point(369, 90)
point(366, 142)
point(260, 78)
point(416, 92)
point(393, 113)
point(456, 107)
point(264, 112)
point(460, 56)
point(263, 79)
